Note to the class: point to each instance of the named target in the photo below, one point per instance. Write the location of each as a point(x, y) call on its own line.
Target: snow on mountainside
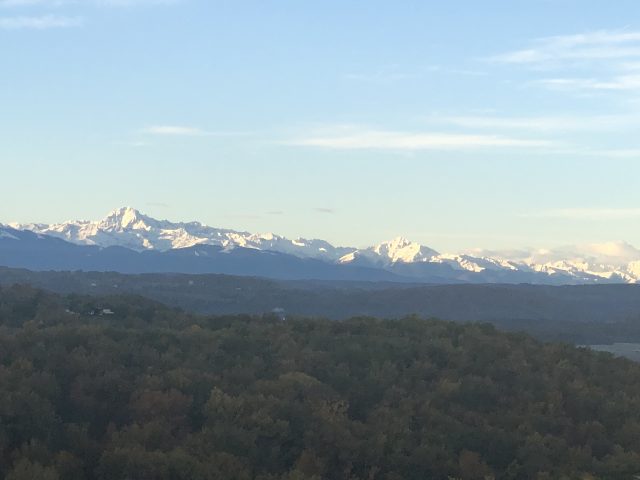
point(476, 264)
point(610, 253)
point(613, 261)
point(5, 233)
point(397, 250)
point(127, 227)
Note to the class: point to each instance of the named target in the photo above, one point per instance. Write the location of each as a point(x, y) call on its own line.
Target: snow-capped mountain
point(127, 227)
point(612, 261)
point(387, 253)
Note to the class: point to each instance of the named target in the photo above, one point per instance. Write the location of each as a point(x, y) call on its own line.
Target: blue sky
point(457, 124)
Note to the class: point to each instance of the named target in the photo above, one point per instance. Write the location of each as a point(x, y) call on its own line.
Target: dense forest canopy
point(124, 388)
point(583, 314)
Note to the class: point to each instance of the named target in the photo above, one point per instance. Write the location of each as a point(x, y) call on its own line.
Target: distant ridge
point(230, 251)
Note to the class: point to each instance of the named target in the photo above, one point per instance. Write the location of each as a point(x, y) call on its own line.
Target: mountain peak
point(400, 242)
point(397, 250)
point(124, 217)
point(123, 211)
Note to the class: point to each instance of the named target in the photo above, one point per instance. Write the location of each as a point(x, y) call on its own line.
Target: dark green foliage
point(153, 393)
point(580, 314)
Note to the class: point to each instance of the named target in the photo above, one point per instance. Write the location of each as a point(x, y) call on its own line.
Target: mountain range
point(129, 241)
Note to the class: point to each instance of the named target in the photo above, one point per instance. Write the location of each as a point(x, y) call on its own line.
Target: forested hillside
point(582, 314)
point(123, 388)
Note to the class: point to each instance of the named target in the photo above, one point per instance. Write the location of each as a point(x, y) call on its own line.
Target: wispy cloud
point(618, 82)
point(392, 74)
point(600, 45)
point(381, 76)
point(551, 123)
point(184, 131)
point(134, 3)
point(28, 3)
point(366, 139)
point(611, 57)
point(104, 3)
point(324, 210)
point(43, 22)
point(587, 213)
point(173, 130)
point(47, 20)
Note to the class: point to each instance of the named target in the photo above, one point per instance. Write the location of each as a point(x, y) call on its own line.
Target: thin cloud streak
point(391, 75)
point(173, 130)
point(543, 123)
point(100, 3)
point(134, 3)
point(325, 210)
point(379, 77)
point(356, 139)
point(183, 131)
point(28, 3)
point(592, 46)
point(44, 22)
point(614, 55)
point(621, 82)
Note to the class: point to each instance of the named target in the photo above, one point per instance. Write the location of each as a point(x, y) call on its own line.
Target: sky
point(458, 124)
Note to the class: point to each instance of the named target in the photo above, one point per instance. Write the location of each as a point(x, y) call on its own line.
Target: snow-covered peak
point(128, 227)
point(394, 245)
point(124, 212)
point(397, 242)
point(125, 218)
point(398, 250)
point(402, 250)
point(474, 263)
